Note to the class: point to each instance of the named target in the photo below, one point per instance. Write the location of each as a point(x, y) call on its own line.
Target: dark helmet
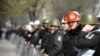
point(88, 18)
point(47, 20)
point(55, 22)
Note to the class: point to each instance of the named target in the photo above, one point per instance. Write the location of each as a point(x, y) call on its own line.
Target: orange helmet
point(71, 17)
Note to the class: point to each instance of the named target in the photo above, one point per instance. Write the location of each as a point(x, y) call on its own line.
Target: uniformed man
point(28, 33)
point(35, 34)
point(44, 32)
point(70, 23)
point(54, 45)
point(89, 37)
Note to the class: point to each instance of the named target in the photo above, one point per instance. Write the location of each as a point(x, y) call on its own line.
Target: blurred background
point(20, 12)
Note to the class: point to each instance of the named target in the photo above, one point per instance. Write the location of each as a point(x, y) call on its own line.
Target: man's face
point(65, 26)
point(53, 28)
point(73, 25)
point(69, 25)
point(45, 25)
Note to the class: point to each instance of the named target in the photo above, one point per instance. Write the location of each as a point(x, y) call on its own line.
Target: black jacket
point(54, 45)
point(88, 40)
point(35, 37)
point(44, 36)
point(68, 49)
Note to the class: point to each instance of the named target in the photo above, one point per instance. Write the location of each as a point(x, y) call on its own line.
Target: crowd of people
point(74, 35)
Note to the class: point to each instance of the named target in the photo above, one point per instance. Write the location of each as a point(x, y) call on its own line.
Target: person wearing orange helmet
point(72, 19)
point(88, 41)
point(70, 23)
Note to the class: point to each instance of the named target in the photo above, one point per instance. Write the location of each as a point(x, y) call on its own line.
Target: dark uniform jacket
point(54, 45)
point(69, 49)
point(35, 37)
point(27, 35)
point(88, 40)
point(31, 37)
point(44, 33)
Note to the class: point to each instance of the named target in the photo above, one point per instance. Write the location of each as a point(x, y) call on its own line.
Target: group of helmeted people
point(74, 35)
